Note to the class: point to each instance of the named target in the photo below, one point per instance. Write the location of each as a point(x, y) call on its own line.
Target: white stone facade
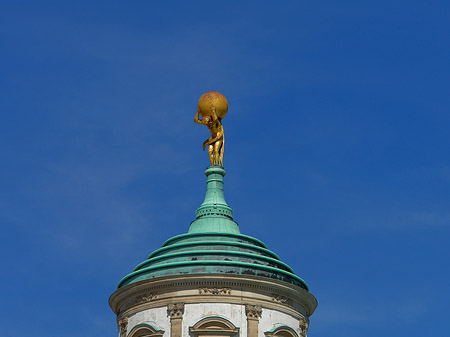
point(199, 306)
point(159, 319)
point(272, 319)
point(232, 312)
point(156, 317)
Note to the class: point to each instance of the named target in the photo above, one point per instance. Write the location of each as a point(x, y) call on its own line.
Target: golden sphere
point(213, 99)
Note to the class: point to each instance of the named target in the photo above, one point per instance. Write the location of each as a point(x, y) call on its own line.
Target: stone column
point(304, 325)
point(123, 326)
point(253, 313)
point(175, 312)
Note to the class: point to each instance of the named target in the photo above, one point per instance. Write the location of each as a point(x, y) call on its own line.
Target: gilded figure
point(212, 107)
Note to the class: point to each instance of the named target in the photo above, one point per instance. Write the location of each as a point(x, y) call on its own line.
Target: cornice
point(235, 289)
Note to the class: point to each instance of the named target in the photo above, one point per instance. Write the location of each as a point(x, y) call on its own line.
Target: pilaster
point(253, 313)
point(175, 312)
point(123, 326)
point(304, 325)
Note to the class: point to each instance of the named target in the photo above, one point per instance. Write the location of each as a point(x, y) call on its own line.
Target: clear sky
point(337, 152)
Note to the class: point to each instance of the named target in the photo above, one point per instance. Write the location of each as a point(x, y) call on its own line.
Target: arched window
point(213, 326)
point(281, 331)
point(145, 330)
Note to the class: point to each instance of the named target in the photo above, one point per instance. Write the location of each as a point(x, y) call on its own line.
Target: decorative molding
point(246, 289)
point(175, 310)
point(281, 331)
point(194, 297)
point(281, 299)
point(253, 311)
point(145, 298)
point(147, 330)
point(214, 291)
point(213, 325)
point(123, 325)
point(304, 325)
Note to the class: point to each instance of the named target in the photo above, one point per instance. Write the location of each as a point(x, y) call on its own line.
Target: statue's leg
point(221, 151)
point(211, 154)
point(217, 146)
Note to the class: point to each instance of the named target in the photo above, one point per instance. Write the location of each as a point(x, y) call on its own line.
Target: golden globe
point(213, 99)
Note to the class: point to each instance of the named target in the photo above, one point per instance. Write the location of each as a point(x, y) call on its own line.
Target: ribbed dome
point(213, 245)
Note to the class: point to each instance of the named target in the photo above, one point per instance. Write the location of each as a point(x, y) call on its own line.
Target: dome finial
point(214, 214)
point(213, 106)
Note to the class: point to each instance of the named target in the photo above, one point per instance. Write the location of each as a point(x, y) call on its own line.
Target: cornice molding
point(214, 291)
point(236, 289)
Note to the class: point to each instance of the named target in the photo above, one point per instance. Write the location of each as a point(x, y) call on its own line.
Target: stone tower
point(213, 281)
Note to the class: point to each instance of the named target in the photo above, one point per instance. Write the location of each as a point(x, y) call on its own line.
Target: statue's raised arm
point(213, 106)
point(203, 121)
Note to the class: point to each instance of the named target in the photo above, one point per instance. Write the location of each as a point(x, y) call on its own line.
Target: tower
point(213, 281)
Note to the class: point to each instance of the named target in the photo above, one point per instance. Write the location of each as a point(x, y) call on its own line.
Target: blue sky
point(337, 152)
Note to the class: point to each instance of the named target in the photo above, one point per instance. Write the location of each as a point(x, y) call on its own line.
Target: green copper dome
point(213, 245)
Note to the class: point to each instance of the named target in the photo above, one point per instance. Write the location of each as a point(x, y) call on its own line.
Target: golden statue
point(213, 106)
